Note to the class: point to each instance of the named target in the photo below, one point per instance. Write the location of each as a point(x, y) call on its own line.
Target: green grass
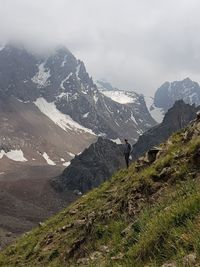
point(161, 218)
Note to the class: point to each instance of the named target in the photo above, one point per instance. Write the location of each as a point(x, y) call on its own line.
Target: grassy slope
point(135, 219)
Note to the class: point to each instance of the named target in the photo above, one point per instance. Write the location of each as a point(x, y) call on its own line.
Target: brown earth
point(27, 198)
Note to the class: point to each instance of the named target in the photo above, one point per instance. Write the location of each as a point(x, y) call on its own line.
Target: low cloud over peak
point(134, 44)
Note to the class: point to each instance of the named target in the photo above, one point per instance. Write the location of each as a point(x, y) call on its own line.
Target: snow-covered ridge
point(121, 97)
point(62, 120)
point(42, 76)
point(16, 155)
point(156, 113)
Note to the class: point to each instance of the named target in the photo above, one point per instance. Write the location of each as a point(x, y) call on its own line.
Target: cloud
point(134, 44)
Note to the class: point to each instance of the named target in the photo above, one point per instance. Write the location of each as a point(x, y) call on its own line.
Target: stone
point(118, 257)
point(165, 172)
point(96, 255)
point(72, 212)
point(198, 115)
point(127, 230)
point(84, 261)
point(41, 224)
point(80, 222)
point(65, 227)
point(152, 153)
point(104, 249)
point(189, 260)
point(171, 264)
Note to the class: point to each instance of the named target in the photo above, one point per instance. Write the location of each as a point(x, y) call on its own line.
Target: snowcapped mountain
point(169, 92)
point(130, 101)
point(59, 84)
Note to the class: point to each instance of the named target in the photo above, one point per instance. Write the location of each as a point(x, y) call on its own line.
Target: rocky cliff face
point(91, 168)
point(175, 119)
point(170, 92)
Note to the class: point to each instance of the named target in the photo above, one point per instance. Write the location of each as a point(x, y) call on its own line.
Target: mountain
point(128, 97)
point(92, 167)
point(60, 81)
point(175, 119)
point(170, 92)
point(146, 217)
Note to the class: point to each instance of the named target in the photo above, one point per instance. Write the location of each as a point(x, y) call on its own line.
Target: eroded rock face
point(95, 165)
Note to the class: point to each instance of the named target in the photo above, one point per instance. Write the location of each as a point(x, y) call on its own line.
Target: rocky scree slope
point(175, 119)
point(170, 92)
point(146, 217)
point(91, 168)
point(62, 80)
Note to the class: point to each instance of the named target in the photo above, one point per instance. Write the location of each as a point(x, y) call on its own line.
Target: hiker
point(127, 151)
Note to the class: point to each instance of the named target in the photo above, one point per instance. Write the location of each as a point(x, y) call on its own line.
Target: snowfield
point(15, 155)
point(62, 120)
point(156, 113)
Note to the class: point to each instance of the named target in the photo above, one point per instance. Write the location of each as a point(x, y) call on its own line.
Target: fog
point(134, 44)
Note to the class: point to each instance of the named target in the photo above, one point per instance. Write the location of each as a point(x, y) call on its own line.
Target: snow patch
point(117, 141)
point(77, 71)
point(86, 115)
point(62, 120)
point(121, 97)
point(95, 98)
point(48, 160)
point(64, 61)
point(133, 119)
point(66, 164)
point(15, 155)
point(42, 76)
point(71, 154)
point(156, 113)
point(62, 83)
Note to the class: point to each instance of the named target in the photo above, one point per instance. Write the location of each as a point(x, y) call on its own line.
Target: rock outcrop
point(175, 119)
point(91, 168)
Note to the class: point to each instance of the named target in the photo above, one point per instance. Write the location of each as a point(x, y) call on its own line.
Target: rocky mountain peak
point(61, 79)
point(170, 92)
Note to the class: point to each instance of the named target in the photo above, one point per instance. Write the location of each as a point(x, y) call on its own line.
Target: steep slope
point(26, 130)
point(61, 80)
point(175, 119)
point(92, 167)
point(146, 217)
point(169, 92)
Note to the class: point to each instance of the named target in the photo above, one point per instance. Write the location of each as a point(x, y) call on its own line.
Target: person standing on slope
point(127, 151)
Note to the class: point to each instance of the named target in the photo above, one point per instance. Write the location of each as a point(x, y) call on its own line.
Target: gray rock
point(175, 119)
point(94, 166)
point(190, 260)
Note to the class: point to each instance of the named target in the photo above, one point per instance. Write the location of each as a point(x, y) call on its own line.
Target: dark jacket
point(127, 148)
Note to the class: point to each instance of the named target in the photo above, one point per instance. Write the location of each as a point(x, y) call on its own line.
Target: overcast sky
point(134, 44)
